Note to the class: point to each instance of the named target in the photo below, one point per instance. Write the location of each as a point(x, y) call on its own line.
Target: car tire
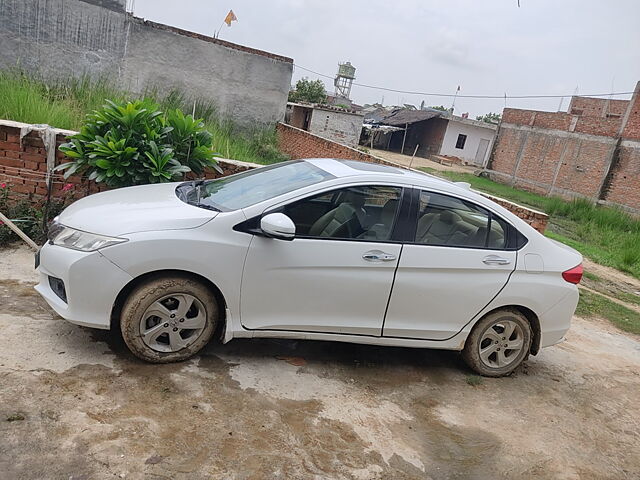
point(169, 319)
point(498, 343)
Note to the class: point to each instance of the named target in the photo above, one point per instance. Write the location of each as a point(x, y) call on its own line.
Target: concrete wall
point(474, 134)
point(62, 38)
point(245, 86)
point(337, 126)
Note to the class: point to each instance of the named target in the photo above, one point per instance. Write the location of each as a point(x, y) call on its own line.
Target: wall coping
point(206, 38)
point(35, 126)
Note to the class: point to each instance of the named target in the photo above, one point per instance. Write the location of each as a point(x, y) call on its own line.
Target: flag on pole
point(231, 17)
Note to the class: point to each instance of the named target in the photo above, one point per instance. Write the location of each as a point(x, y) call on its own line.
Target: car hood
point(134, 209)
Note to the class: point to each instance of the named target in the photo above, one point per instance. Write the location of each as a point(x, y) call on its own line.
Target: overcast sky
point(486, 46)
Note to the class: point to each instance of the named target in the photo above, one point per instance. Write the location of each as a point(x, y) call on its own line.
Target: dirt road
point(74, 404)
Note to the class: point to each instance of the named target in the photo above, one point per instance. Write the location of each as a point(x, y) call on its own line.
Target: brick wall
point(298, 143)
point(597, 107)
point(596, 157)
point(536, 219)
point(23, 166)
point(550, 163)
point(604, 126)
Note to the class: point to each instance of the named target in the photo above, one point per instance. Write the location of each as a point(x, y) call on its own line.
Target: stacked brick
point(299, 143)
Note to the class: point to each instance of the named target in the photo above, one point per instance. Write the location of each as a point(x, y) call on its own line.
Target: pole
point(414, 155)
point(404, 137)
point(19, 232)
point(217, 34)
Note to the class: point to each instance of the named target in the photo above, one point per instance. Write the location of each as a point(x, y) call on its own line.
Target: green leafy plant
point(27, 215)
point(133, 143)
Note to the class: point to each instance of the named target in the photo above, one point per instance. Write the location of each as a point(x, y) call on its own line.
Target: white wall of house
point(338, 126)
point(478, 136)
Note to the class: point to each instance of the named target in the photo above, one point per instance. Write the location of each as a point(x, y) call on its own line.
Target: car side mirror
point(278, 225)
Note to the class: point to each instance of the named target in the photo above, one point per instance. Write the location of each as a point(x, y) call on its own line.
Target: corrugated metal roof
point(401, 116)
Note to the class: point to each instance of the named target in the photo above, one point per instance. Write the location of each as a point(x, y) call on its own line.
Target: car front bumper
point(91, 284)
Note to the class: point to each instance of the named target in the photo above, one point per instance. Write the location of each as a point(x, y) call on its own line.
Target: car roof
point(350, 168)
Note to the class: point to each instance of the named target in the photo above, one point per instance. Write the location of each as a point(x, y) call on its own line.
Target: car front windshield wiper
point(187, 196)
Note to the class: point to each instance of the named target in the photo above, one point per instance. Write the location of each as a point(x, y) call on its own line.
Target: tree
point(490, 118)
point(308, 91)
point(439, 107)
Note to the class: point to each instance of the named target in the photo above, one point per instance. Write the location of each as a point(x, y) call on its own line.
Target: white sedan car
point(316, 249)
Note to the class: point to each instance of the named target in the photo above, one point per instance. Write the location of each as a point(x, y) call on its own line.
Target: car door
point(458, 262)
point(336, 275)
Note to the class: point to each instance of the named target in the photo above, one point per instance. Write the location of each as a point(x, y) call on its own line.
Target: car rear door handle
point(495, 260)
point(378, 256)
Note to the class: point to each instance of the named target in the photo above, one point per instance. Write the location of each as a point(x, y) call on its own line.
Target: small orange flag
point(231, 17)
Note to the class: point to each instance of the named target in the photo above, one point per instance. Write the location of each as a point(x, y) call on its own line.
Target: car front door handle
point(378, 256)
point(495, 260)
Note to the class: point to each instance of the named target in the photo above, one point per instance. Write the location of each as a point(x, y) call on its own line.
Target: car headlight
point(79, 240)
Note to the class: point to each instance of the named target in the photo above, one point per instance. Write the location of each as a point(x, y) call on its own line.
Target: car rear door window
point(449, 221)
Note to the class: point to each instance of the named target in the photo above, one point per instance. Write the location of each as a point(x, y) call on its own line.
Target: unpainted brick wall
point(572, 155)
point(597, 107)
point(299, 143)
point(23, 168)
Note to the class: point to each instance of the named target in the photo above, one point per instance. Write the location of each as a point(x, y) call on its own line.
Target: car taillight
point(573, 275)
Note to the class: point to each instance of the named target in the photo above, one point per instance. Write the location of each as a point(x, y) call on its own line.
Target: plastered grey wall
point(62, 38)
point(337, 126)
point(244, 86)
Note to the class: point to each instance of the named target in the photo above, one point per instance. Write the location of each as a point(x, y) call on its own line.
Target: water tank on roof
point(346, 70)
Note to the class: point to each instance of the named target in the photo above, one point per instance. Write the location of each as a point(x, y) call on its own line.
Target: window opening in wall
point(462, 138)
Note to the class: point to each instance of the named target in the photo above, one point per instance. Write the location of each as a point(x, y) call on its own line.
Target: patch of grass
point(607, 235)
point(591, 276)
point(474, 380)
point(64, 104)
point(15, 417)
point(594, 305)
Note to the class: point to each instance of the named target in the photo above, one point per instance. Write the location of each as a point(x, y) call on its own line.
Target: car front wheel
point(498, 343)
point(168, 319)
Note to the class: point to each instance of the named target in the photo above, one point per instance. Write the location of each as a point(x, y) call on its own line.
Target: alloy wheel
point(173, 322)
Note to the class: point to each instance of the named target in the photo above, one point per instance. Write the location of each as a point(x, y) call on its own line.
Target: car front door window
point(365, 212)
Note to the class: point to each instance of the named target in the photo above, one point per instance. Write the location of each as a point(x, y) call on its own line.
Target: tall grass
point(607, 235)
point(24, 98)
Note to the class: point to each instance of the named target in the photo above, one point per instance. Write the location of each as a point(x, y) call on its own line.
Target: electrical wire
point(451, 95)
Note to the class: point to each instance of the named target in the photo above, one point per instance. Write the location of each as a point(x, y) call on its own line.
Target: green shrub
point(27, 215)
point(134, 143)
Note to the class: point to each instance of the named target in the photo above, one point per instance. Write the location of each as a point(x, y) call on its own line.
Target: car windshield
point(254, 186)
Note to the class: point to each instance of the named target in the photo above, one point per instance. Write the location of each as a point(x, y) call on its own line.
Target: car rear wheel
point(168, 319)
point(498, 343)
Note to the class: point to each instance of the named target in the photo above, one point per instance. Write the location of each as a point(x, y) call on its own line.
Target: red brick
point(31, 165)
point(11, 162)
point(36, 158)
point(10, 146)
point(12, 154)
point(24, 188)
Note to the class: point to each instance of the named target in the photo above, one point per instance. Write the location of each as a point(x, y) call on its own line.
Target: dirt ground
point(74, 404)
point(416, 162)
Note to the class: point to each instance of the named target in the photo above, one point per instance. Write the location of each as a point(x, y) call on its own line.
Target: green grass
point(593, 305)
point(608, 236)
point(65, 104)
point(474, 380)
